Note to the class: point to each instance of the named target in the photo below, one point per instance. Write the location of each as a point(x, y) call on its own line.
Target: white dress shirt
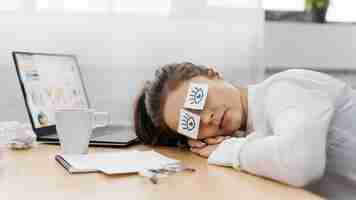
point(304, 134)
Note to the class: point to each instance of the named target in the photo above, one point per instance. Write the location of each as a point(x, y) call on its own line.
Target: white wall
point(320, 46)
point(328, 48)
point(118, 52)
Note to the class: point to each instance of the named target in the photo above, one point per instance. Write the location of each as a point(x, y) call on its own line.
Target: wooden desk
point(34, 174)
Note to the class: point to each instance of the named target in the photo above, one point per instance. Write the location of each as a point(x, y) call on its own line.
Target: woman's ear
point(213, 73)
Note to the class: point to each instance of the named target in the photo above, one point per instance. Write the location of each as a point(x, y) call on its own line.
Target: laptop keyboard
point(120, 134)
point(113, 134)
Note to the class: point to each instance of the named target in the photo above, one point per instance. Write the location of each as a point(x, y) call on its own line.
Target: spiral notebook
point(114, 162)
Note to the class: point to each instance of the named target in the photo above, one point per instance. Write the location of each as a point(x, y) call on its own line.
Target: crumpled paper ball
point(18, 136)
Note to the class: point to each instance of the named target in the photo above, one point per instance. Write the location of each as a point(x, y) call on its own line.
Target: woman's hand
point(207, 141)
point(204, 151)
point(207, 146)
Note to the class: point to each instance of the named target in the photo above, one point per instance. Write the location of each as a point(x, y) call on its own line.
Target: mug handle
point(104, 115)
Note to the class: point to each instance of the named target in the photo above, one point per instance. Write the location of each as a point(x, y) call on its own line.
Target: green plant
point(316, 4)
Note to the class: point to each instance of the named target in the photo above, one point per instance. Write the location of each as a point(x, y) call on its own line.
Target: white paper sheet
point(119, 162)
point(189, 124)
point(196, 96)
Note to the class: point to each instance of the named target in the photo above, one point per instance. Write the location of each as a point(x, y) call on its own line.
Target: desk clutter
point(17, 135)
point(149, 164)
point(145, 163)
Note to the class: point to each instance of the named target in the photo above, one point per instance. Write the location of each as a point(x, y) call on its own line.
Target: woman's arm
point(296, 152)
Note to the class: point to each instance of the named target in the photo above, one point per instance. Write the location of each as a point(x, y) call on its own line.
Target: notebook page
point(142, 160)
point(91, 161)
point(119, 162)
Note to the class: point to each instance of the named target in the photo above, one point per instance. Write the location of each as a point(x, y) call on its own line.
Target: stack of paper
point(114, 163)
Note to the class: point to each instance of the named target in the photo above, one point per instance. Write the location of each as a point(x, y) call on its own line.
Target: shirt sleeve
point(225, 153)
point(295, 153)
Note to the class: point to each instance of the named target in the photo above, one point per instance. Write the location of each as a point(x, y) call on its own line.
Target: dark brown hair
point(149, 124)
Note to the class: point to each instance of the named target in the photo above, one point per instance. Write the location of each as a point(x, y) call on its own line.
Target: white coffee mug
point(74, 127)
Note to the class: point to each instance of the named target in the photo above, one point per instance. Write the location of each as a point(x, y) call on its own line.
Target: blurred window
point(86, 6)
point(10, 5)
point(150, 7)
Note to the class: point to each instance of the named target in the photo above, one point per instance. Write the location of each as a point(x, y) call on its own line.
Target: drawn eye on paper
point(189, 124)
point(196, 96)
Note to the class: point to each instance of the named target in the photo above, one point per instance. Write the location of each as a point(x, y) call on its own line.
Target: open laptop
point(51, 80)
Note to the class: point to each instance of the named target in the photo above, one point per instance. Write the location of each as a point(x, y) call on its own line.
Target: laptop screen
point(49, 81)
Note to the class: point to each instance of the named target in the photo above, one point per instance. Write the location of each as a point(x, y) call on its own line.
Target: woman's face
point(222, 113)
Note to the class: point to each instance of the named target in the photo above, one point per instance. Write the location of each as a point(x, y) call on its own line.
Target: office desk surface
point(34, 174)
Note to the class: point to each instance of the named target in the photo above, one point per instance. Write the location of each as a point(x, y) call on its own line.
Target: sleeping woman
point(297, 127)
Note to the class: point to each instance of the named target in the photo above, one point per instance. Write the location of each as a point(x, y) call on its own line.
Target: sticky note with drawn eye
point(188, 124)
point(196, 96)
